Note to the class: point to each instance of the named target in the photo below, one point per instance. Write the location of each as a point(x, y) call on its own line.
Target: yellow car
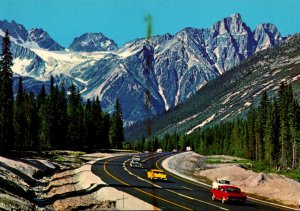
point(156, 174)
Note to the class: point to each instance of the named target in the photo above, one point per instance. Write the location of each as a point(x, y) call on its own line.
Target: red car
point(227, 193)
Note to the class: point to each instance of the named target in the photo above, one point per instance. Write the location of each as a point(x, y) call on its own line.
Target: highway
point(175, 194)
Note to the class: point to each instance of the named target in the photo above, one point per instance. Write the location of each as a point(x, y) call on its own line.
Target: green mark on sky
point(148, 19)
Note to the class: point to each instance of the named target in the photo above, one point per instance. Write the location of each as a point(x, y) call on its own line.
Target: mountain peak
point(43, 40)
point(236, 16)
point(89, 42)
point(232, 24)
point(37, 38)
point(15, 30)
point(266, 35)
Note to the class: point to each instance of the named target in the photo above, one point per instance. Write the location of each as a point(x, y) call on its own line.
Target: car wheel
point(223, 200)
point(213, 197)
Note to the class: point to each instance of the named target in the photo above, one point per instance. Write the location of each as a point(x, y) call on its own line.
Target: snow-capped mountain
point(90, 42)
point(181, 64)
point(43, 40)
point(34, 38)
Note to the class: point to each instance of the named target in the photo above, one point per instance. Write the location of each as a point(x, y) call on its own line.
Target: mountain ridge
point(232, 94)
point(181, 65)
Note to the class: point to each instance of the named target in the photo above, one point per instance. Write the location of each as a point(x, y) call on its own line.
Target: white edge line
point(182, 195)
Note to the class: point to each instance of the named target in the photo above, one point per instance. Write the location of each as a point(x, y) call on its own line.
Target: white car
point(136, 162)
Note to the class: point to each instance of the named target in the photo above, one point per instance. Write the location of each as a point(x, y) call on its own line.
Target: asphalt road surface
point(174, 194)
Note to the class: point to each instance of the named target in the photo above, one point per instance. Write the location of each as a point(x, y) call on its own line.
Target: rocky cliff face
point(266, 35)
point(180, 64)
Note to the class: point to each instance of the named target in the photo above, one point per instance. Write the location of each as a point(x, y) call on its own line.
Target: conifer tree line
point(270, 134)
point(54, 120)
point(167, 143)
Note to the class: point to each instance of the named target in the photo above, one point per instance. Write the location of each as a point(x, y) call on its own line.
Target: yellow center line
point(152, 156)
point(179, 194)
point(140, 190)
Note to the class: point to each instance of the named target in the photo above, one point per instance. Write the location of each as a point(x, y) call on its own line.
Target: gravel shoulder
point(271, 186)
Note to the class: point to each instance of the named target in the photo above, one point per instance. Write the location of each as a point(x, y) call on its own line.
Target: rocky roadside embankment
point(38, 184)
point(266, 185)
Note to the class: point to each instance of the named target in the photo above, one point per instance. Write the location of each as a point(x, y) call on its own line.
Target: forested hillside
point(269, 133)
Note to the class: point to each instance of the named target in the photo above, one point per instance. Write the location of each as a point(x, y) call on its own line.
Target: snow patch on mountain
point(127, 52)
point(160, 90)
point(20, 65)
point(209, 119)
point(247, 104)
point(62, 62)
point(188, 119)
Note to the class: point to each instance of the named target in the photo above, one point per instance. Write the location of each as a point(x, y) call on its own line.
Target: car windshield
point(233, 190)
point(223, 181)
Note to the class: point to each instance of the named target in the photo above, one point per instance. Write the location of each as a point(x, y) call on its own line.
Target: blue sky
point(123, 20)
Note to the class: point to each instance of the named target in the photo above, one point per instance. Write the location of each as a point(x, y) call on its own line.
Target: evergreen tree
point(261, 122)
point(19, 118)
point(105, 131)
point(41, 98)
point(285, 140)
point(53, 115)
point(75, 119)
point(269, 137)
point(97, 120)
point(31, 116)
point(166, 142)
point(293, 116)
point(61, 119)
point(43, 120)
point(251, 143)
point(275, 132)
point(89, 129)
point(117, 130)
point(236, 139)
point(6, 97)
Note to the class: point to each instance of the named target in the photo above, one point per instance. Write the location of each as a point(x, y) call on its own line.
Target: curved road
point(174, 194)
